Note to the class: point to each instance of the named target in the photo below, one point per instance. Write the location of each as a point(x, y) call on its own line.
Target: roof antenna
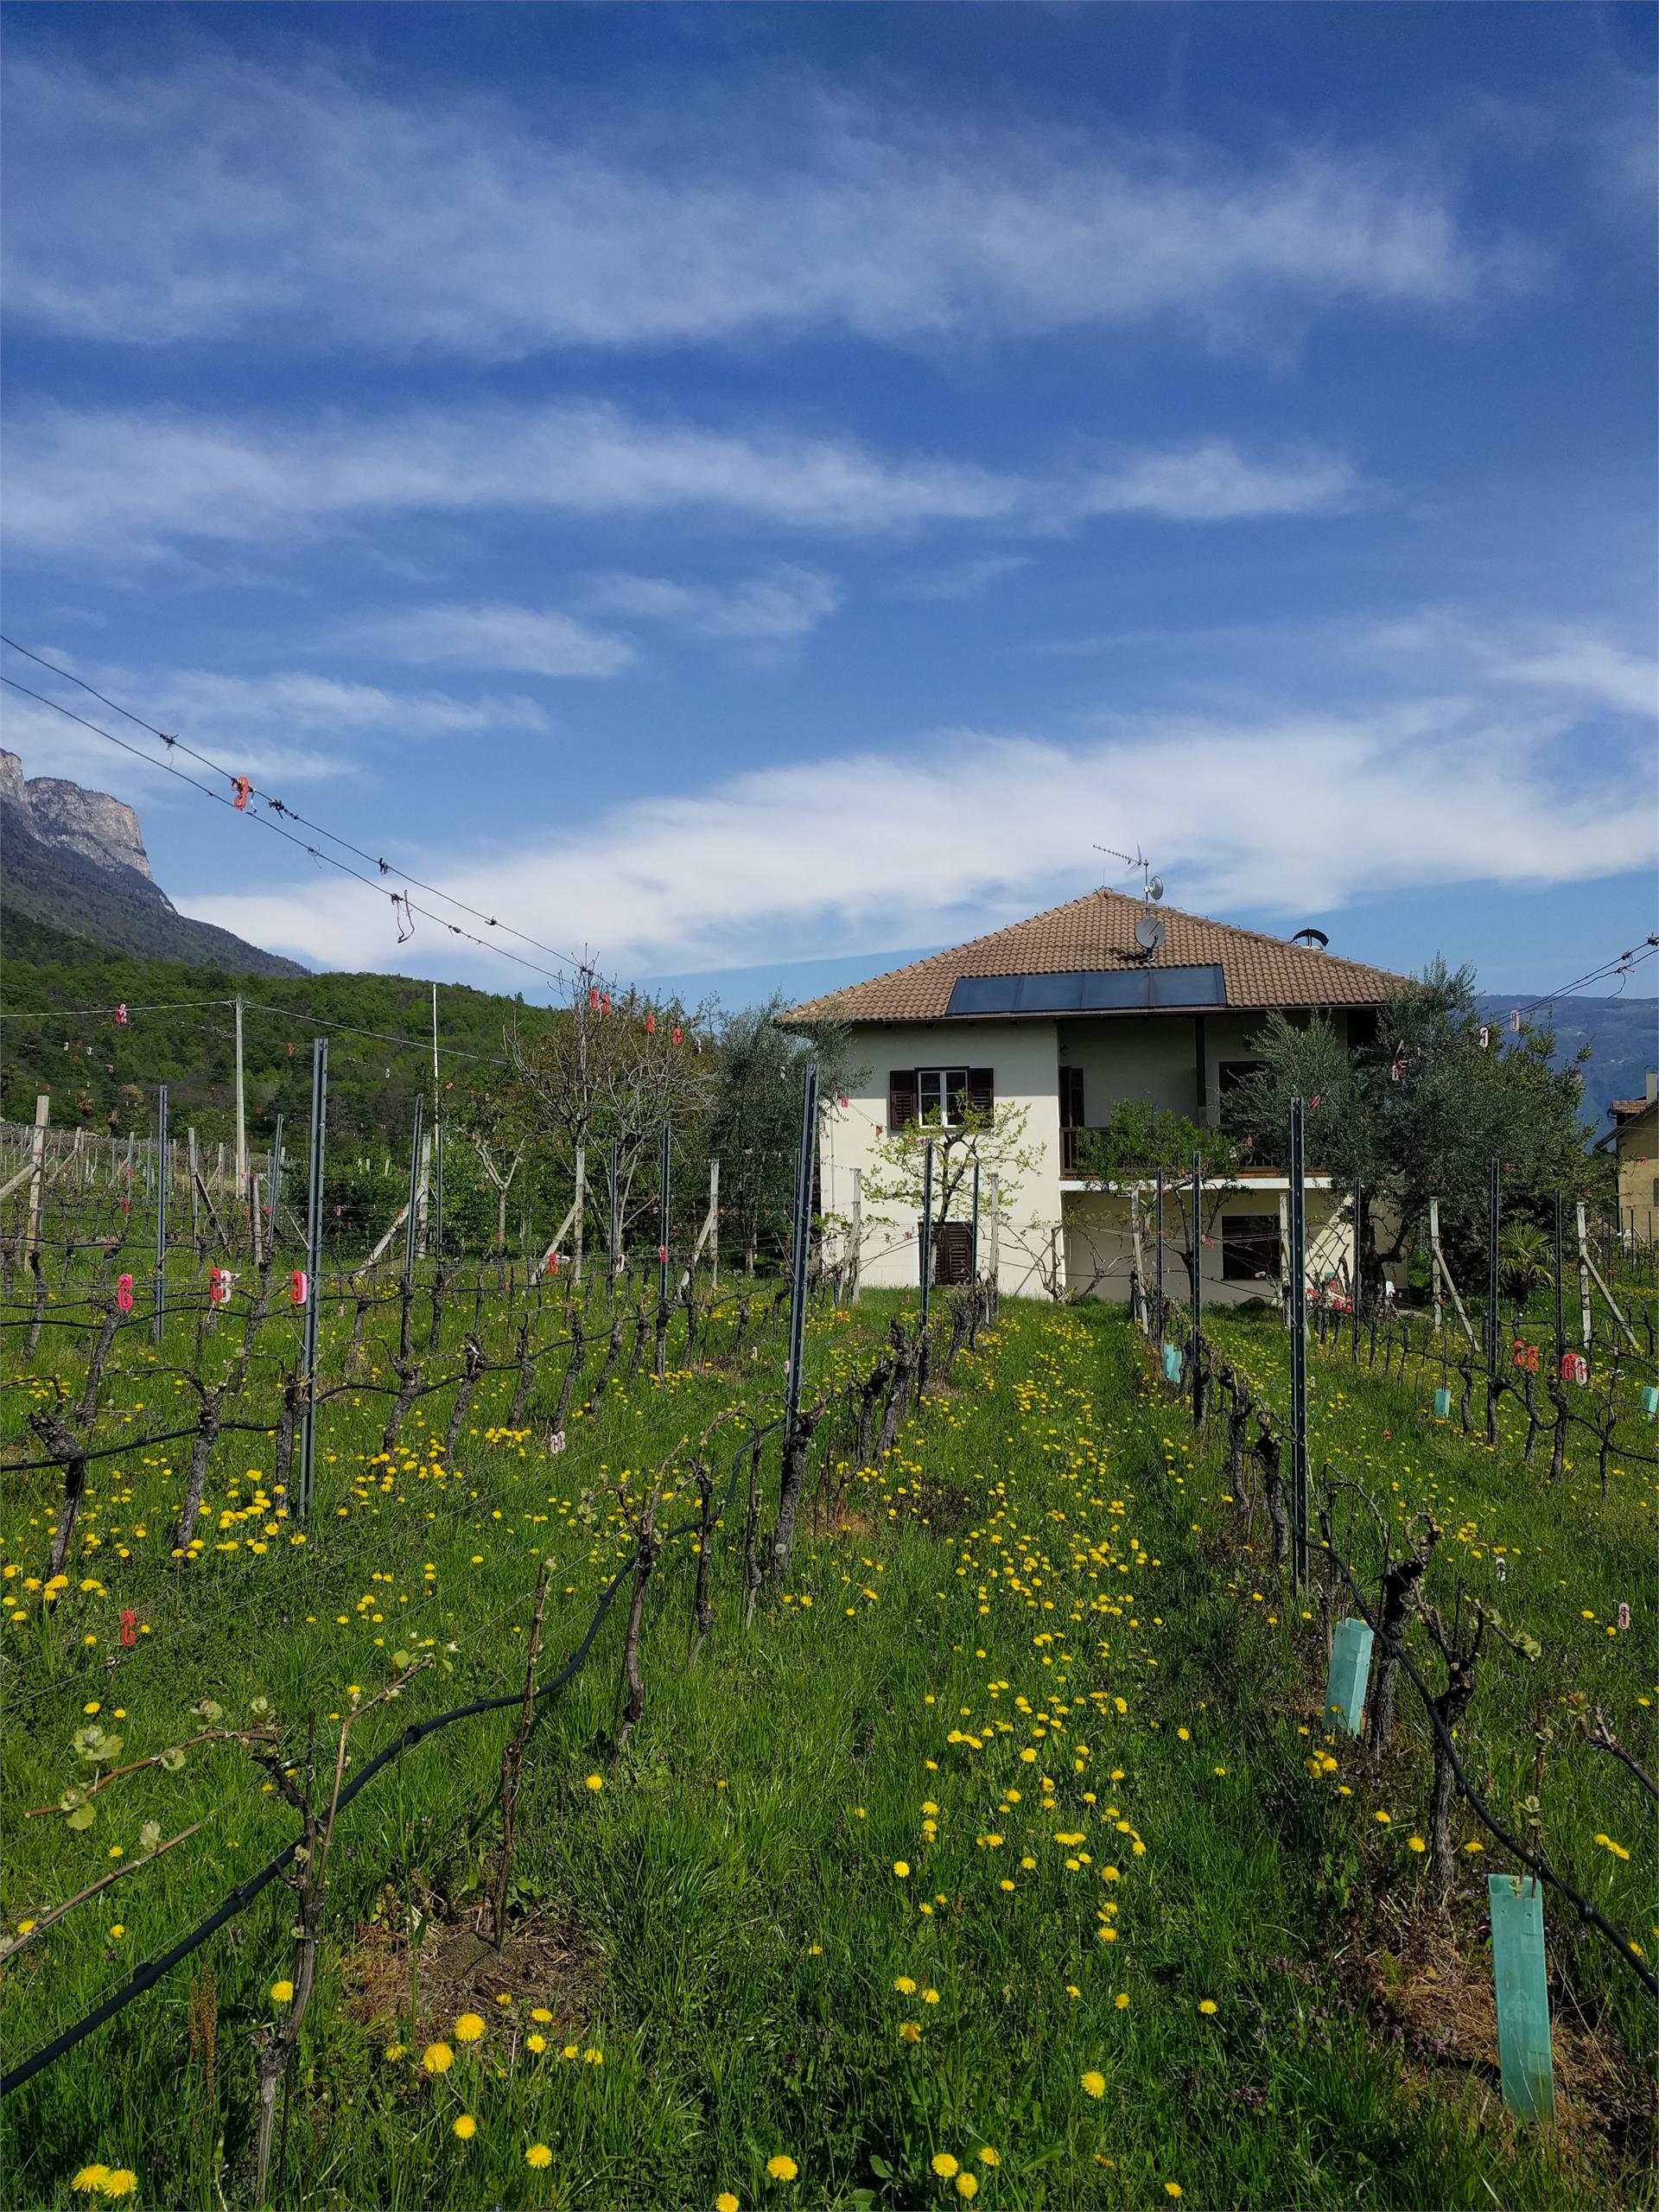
point(1148, 929)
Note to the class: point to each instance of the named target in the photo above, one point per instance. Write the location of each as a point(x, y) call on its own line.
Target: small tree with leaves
point(963, 1137)
point(1141, 1140)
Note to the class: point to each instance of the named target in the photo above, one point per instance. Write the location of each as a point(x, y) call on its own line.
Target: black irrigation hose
point(148, 1972)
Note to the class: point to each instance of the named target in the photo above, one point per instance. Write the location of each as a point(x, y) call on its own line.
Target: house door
point(953, 1252)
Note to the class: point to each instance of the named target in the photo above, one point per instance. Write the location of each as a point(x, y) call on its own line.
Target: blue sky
point(726, 489)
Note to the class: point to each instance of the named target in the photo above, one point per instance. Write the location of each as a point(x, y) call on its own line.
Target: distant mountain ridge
point(75, 859)
point(1623, 1035)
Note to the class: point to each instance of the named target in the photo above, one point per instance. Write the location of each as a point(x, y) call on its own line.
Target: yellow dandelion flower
point(595, 1782)
point(537, 2043)
point(782, 2167)
point(726, 2202)
point(1094, 2083)
point(1206, 2005)
point(464, 2126)
point(468, 2028)
point(437, 2058)
point(989, 2158)
point(281, 1992)
point(911, 2030)
point(540, 2014)
point(902, 1868)
point(967, 2185)
point(120, 2180)
point(943, 2165)
point(90, 2177)
point(538, 2155)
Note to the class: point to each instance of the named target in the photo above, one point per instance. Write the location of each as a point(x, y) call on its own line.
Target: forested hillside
point(179, 1030)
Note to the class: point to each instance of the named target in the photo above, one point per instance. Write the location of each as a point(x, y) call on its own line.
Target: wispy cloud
point(778, 609)
point(963, 579)
point(535, 641)
point(1289, 814)
point(128, 483)
point(294, 727)
point(207, 197)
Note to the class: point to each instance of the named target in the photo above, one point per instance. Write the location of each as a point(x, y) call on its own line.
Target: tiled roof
point(1097, 932)
point(1622, 1110)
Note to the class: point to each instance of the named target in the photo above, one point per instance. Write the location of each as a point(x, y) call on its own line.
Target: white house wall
point(1041, 1226)
point(1022, 1057)
point(1099, 1244)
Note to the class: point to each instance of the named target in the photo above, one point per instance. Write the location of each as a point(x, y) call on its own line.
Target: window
point(937, 1097)
point(1231, 1075)
point(953, 1252)
point(1249, 1247)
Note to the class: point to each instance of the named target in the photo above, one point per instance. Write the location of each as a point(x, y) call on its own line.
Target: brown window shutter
point(901, 1099)
point(982, 1090)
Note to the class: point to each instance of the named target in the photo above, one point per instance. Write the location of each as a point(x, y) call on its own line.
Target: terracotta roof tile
point(1097, 932)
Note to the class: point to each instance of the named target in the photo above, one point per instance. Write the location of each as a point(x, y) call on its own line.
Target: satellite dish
point(1154, 887)
point(1311, 936)
point(1149, 933)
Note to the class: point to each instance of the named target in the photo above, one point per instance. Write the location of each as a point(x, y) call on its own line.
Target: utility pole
point(1198, 1286)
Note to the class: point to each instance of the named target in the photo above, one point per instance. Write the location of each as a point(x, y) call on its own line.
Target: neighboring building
point(1065, 1015)
point(1634, 1138)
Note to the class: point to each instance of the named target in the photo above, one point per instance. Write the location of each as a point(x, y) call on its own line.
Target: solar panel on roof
point(1091, 990)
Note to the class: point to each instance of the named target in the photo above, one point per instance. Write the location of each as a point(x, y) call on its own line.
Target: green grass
point(724, 1920)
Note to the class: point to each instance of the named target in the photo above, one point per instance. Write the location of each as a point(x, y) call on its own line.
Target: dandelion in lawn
point(726, 2202)
point(537, 2043)
point(1415, 1843)
point(542, 2016)
point(396, 2050)
point(943, 2165)
point(911, 2030)
point(782, 2167)
point(1094, 2083)
point(437, 2058)
point(595, 1782)
point(1172, 2188)
point(1207, 2004)
point(1122, 2000)
point(906, 1988)
point(902, 1868)
point(538, 2156)
point(988, 2156)
point(90, 2177)
point(468, 2028)
point(464, 2126)
point(281, 1992)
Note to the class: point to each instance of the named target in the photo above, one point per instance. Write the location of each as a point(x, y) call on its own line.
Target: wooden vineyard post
point(37, 1168)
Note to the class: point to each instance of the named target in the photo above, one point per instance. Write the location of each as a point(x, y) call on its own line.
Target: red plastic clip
point(297, 1286)
point(121, 1017)
point(241, 790)
point(679, 1035)
point(129, 1628)
point(123, 1292)
point(651, 1025)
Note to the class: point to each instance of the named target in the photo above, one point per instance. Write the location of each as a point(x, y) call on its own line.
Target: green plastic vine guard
point(1523, 2052)
point(1651, 1399)
point(1350, 1668)
point(1443, 1405)
point(1171, 1362)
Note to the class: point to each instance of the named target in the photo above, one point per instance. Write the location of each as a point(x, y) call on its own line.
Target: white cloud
point(209, 197)
point(1570, 661)
point(119, 484)
point(536, 641)
point(295, 728)
point(777, 608)
point(932, 842)
point(1214, 482)
point(963, 579)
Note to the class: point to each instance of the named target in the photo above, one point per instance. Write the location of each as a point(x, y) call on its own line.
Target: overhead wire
point(401, 899)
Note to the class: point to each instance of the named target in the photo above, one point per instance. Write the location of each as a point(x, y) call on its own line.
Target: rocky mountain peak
point(100, 828)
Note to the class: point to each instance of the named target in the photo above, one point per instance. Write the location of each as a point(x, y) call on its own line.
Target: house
point(1634, 1140)
point(1064, 1015)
